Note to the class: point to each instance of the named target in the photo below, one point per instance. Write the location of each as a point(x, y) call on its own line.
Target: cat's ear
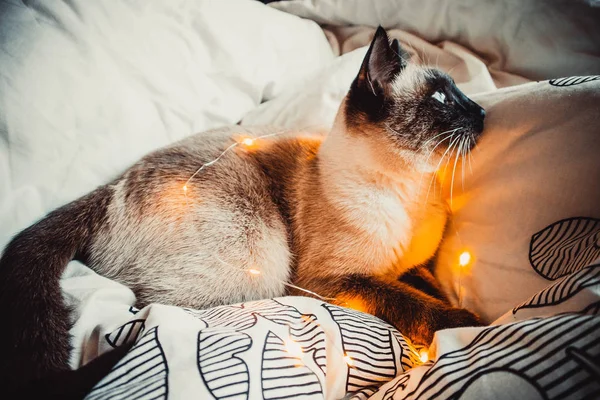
point(370, 92)
point(400, 53)
point(382, 63)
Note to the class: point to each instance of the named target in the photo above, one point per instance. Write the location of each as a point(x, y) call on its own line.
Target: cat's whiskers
point(434, 177)
point(444, 173)
point(449, 72)
point(470, 153)
point(440, 134)
point(454, 170)
point(449, 135)
point(462, 161)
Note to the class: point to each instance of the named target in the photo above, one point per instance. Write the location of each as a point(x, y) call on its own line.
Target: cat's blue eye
point(439, 96)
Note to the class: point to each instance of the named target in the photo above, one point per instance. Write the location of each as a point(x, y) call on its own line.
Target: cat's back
point(200, 213)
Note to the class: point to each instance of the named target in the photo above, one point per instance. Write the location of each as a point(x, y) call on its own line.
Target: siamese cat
point(343, 215)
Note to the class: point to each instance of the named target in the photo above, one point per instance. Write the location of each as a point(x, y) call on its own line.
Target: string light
point(424, 355)
point(293, 348)
point(254, 271)
point(248, 141)
point(464, 259)
point(348, 360)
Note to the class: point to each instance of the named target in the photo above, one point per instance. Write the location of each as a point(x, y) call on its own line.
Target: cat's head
point(414, 111)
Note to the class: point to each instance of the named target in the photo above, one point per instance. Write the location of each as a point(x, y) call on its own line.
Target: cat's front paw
point(442, 318)
point(458, 318)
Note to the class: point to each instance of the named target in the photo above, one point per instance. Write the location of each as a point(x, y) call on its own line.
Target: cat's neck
point(353, 172)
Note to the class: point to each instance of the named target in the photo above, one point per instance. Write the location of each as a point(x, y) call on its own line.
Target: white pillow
point(530, 211)
point(536, 39)
point(538, 163)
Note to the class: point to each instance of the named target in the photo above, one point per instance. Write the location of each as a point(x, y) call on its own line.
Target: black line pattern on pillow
point(565, 246)
point(563, 289)
point(224, 373)
point(573, 80)
point(585, 360)
point(530, 355)
point(409, 357)
point(235, 316)
point(129, 332)
point(592, 309)
point(141, 374)
point(364, 393)
point(281, 371)
point(520, 387)
point(399, 384)
point(223, 344)
point(368, 342)
point(304, 328)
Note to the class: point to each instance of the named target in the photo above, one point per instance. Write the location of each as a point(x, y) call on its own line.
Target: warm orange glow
point(184, 188)
point(464, 259)
point(355, 302)
point(248, 142)
point(293, 348)
point(424, 355)
point(254, 271)
point(348, 360)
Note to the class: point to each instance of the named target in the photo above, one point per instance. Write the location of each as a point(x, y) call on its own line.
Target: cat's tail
point(34, 333)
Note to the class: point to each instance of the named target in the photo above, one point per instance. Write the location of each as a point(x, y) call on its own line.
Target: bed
point(86, 88)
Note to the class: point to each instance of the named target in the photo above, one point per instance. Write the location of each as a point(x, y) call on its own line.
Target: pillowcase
point(535, 39)
point(532, 195)
point(529, 213)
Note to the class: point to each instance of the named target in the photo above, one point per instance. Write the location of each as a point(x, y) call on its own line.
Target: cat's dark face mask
point(417, 109)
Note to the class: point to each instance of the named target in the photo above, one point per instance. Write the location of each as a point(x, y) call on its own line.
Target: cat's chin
point(427, 165)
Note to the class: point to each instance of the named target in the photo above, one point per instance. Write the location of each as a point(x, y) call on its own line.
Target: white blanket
point(87, 88)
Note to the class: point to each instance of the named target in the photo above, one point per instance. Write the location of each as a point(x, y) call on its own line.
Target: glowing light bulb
point(293, 348)
point(248, 142)
point(184, 188)
point(254, 271)
point(464, 259)
point(424, 356)
point(348, 360)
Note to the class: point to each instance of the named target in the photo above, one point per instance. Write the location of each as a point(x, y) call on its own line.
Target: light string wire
point(293, 347)
point(256, 272)
point(248, 142)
